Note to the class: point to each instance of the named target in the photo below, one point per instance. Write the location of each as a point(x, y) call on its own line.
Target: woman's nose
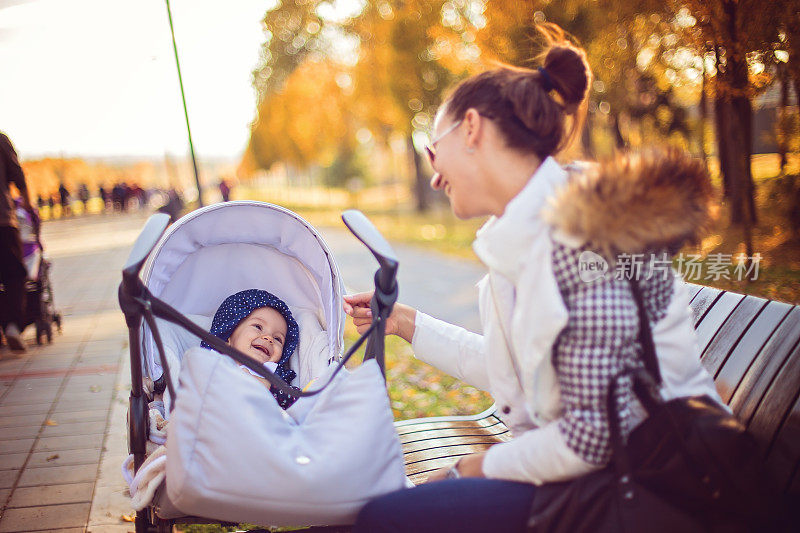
point(436, 182)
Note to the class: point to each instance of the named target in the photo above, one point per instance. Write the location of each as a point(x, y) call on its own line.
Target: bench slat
point(702, 301)
point(421, 472)
point(779, 399)
point(729, 334)
point(483, 415)
point(449, 441)
point(749, 348)
point(449, 424)
point(794, 484)
point(715, 317)
point(693, 289)
point(454, 432)
point(418, 479)
point(417, 458)
point(435, 463)
point(784, 454)
point(761, 373)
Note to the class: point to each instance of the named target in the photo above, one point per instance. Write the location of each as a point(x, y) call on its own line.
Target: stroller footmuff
point(318, 462)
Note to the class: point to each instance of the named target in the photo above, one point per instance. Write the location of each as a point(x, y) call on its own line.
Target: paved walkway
point(63, 406)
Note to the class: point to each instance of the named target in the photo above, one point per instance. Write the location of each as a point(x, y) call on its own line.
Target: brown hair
point(531, 107)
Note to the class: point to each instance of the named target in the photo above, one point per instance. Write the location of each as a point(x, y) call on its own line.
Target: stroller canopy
point(221, 249)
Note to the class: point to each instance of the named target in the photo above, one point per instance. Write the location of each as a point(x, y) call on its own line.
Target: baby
point(260, 325)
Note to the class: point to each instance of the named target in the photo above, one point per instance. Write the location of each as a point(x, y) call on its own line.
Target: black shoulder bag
point(689, 467)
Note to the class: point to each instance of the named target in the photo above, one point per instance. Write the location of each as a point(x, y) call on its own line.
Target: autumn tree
point(390, 79)
point(787, 55)
point(305, 121)
point(625, 50)
point(398, 57)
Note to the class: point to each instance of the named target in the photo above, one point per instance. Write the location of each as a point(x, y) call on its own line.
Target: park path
point(63, 406)
point(57, 401)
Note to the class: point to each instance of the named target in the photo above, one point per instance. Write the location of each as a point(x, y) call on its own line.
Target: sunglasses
point(430, 148)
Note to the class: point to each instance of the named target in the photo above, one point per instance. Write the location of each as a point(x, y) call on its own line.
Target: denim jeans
point(459, 505)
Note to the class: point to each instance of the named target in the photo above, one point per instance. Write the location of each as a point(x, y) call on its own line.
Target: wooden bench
point(750, 345)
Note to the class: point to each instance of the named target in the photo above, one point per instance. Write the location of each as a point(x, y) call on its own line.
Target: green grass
point(416, 389)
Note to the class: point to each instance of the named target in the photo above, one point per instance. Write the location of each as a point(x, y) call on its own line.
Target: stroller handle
point(385, 295)
point(360, 226)
point(152, 231)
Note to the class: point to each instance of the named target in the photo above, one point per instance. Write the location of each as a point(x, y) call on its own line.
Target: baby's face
point(261, 335)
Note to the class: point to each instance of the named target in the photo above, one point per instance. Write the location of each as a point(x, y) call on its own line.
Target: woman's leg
point(463, 505)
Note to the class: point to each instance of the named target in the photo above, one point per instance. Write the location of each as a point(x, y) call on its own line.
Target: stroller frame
point(39, 305)
point(138, 303)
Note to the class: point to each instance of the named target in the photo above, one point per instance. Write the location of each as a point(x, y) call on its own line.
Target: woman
point(556, 328)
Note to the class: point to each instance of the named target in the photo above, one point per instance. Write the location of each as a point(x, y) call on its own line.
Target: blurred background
point(324, 105)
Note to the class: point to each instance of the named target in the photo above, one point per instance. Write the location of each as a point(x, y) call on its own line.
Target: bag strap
point(645, 386)
point(645, 334)
point(646, 382)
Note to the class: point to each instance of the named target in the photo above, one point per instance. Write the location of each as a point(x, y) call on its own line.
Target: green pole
point(185, 111)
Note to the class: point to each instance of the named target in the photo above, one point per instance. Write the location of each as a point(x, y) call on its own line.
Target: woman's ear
point(474, 123)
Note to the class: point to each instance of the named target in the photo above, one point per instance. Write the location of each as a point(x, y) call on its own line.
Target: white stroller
point(229, 444)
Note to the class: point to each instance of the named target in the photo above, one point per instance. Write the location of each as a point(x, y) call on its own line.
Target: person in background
point(103, 194)
point(224, 190)
point(12, 268)
point(83, 196)
point(126, 195)
point(118, 197)
point(173, 206)
point(63, 194)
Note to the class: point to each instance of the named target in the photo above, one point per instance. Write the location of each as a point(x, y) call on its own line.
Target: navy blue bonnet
point(237, 307)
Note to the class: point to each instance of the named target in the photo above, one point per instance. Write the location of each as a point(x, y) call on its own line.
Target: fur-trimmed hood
point(635, 203)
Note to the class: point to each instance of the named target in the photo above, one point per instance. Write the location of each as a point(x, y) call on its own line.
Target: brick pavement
point(62, 406)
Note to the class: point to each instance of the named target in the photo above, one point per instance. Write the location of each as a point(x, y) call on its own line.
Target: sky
point(98, 78)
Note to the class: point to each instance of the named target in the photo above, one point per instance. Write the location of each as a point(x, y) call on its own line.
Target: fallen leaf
point(52, 457)
point(128, 518)
point(50, 422)
point(95, 388)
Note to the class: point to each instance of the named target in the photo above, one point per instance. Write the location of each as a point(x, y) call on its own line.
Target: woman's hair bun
point(539, 111)
point(568, 72)
point(524, 92)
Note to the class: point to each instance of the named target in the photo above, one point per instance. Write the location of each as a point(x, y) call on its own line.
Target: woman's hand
point(400, 322)
point(468, 466)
